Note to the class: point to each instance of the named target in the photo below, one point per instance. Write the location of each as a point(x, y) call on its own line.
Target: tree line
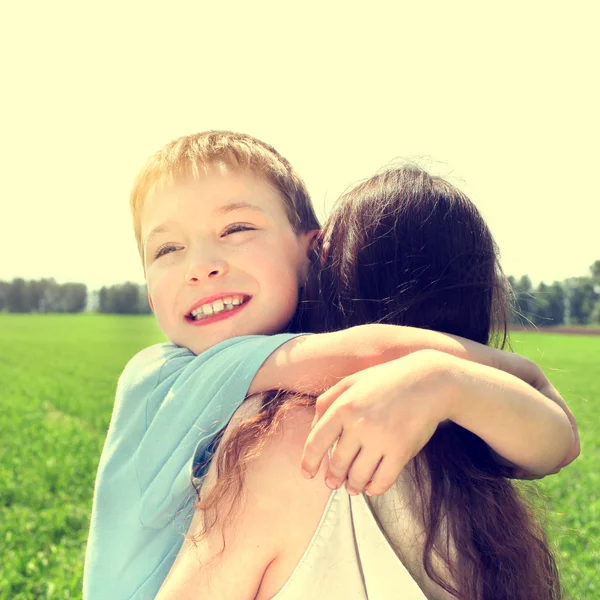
point(574, 301)
point(48, 296)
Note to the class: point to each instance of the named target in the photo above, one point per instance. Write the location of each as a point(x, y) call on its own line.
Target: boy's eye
point(235, 228)
point(166, 249)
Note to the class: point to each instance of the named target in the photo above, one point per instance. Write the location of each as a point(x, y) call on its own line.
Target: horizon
point(95, 287)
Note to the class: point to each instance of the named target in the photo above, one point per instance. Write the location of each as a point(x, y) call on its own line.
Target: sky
point(501, 99)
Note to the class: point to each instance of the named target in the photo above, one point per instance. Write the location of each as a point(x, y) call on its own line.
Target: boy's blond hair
point(192, 154)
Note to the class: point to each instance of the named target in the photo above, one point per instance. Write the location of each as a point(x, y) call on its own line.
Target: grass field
point(57, 382)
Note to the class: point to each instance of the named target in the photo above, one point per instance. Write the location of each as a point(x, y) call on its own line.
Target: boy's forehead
point(220, 190)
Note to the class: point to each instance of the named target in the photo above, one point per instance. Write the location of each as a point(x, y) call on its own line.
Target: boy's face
point(221, 258)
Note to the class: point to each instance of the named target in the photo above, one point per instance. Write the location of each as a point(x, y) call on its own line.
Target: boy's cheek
point(157, 297)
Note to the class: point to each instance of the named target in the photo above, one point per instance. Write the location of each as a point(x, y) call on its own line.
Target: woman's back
point(350, 557)
point(327, 544)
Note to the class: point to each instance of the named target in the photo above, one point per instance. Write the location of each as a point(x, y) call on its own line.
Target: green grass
point(57, 380)
point(572, 363)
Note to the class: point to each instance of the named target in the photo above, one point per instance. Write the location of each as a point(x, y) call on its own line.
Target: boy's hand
point(381, 418)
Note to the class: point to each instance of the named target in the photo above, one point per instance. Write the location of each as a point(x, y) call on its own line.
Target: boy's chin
point(200, 346)
point(197, 348)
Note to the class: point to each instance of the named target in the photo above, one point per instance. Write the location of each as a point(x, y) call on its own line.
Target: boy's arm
point(313, 363)
point(518, 423)
point(390, 412)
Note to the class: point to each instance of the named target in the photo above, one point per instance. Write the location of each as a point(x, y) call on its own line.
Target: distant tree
point(4, 286)
point(548, 304)
point(556, 304)
point(36, 291)
point(524, 303)
point(44, 295)
point(121, 299)
point(16, 299)
point(595, 314)
point(583, 297)
point(51, 299)
point(595, 271)
point(103, 300)
point(143, 307)
point(126, 298)
point(73, 297)
point(541, 309)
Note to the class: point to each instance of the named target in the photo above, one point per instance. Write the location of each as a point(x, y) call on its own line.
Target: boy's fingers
point(319, 440)
point(315, 420)
point(361, 471)
point(326, 399)
point(344, 452)
point(385, 476)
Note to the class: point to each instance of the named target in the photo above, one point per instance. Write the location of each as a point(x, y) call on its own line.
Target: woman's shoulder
point(276, 464)
point(272, 481)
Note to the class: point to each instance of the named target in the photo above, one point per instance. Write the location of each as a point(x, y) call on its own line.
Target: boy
point(223, 225)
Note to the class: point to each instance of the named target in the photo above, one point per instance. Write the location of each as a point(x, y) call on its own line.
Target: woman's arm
point(388, 413)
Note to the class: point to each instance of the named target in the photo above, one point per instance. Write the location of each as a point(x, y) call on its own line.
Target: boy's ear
point(312, 236)
point(150, 302)
point(309, 240)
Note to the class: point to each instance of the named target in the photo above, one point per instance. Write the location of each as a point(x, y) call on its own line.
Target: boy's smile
point(221, 258)
point(208, 309)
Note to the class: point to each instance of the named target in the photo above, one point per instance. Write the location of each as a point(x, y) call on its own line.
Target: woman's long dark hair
point(408, 248)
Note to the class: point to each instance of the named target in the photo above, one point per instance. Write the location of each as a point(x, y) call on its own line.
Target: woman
point(402, 248)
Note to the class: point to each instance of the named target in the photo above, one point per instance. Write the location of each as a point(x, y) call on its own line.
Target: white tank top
point(349, 558)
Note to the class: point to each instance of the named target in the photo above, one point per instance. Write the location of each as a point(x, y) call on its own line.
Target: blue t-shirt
point(169, 405)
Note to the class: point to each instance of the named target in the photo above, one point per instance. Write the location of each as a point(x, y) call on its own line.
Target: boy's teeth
point(206, 310)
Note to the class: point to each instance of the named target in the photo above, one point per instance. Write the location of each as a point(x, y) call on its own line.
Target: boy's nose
point(206, 269)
